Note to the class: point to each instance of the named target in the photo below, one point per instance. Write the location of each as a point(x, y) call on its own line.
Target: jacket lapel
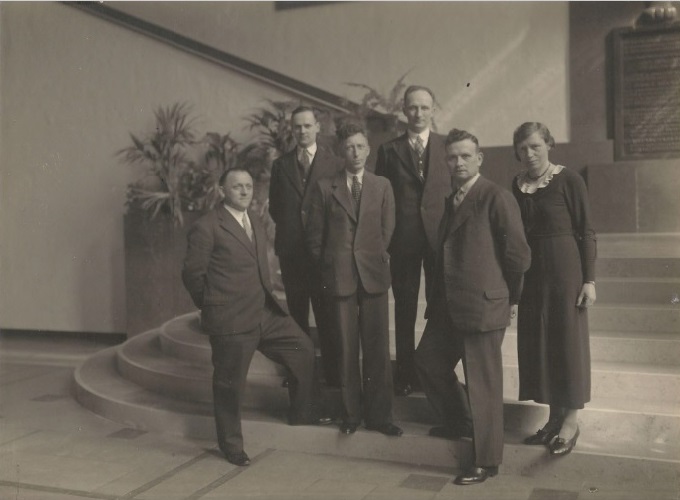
point(229, 224)
point(341, 194)
point(291, 171)
point(260, 245)
point(436, 154)
point(320, 166)
point(403, 150)
point(467, 207)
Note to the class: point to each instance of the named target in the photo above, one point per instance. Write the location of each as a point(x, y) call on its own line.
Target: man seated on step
point(227, 276)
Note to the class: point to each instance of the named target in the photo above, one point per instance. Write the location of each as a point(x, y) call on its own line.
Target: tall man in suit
point(414, 164)
point(349, 229)
point(227, 276)
point(293, 174)
point(481, 259)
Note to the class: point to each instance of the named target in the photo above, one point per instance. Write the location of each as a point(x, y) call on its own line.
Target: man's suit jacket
point(289, 201)
point(351, 247)
point(482, 256)
point(419, 206)
point(226, 274)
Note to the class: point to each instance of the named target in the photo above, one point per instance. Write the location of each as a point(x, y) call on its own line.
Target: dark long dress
point(552, 333)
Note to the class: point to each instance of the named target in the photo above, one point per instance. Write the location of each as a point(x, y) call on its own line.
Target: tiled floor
point(53, 449)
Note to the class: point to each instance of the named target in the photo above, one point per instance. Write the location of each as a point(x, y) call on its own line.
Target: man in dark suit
point(226, 274)
point(293, 174)
point(481, 259)
point(349, 229)
point(414, 164)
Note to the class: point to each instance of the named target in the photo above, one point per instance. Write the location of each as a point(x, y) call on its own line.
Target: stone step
point(621, 347)
point(181, 338)
point(597, 457)
point(637, 267)
point(633, 245)
point(141, 360)
point(635, 318)
point(654, 291)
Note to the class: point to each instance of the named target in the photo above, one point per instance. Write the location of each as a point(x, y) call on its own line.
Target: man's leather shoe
point(403, 389)
point(452, 433)
point(239, 458)
point(347, 428)
point(560, 447)
point(388, 429)
point(476, 475)
point(541, 437)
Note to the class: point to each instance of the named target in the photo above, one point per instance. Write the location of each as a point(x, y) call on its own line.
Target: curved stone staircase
point(161, 381)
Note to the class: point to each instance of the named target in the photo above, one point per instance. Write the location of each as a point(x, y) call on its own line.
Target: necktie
point(247, 227)
point(419, 148)
point(304, 163)
point(356, 190)
point(458, 198)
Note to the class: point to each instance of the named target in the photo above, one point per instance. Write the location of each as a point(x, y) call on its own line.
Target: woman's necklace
point(534, 179)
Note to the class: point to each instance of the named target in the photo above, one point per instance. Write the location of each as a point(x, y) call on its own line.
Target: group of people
point(345, 235)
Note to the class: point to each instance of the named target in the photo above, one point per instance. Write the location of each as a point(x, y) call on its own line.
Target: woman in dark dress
point(552, 325)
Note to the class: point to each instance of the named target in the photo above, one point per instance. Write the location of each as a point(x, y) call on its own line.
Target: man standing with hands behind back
point(481, 259)
point(293, 175)
point(227, 275)
point(415, 166)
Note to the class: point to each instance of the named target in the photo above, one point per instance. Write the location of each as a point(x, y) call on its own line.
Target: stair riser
point(526, 418)
point(626, 350)
point(638, 386)
point(634, 319)
point(637, 292)
point(602, 348)
point(529, 461)
point(643, 386)
point(265, 393)
point(637, 267)
point(168, 384)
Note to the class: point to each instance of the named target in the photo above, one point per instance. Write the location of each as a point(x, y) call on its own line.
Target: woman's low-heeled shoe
point(541, 437)
point(561, 447)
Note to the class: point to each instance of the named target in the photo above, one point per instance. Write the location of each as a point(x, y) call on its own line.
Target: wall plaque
point(647, 92)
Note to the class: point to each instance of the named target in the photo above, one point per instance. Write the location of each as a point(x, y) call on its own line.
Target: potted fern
point(179, 181)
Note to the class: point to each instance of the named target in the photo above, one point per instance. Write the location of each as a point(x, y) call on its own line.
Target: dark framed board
point(647, 92)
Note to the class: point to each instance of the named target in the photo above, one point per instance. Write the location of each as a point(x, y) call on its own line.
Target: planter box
point(154, 252)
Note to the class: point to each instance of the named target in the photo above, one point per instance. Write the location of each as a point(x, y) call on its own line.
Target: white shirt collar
point(360, 175)
point(424, 135)
point(463, 190)
point(237, 214)
point(311, 150)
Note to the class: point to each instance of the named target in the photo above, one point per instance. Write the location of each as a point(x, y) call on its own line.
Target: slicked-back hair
point(526, 129)
point(414, 88)
point(223, 177)
point(348, 129)
point(301, 109)
point(457, 135)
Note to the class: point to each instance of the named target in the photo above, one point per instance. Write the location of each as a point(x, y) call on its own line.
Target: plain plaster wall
point(513, 55)
point(72, 87)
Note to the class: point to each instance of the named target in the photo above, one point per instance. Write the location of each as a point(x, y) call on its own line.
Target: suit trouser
point(303, 284)
point(281, 340)
point(405, 270)
point(439, 351)
point(362, 322)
